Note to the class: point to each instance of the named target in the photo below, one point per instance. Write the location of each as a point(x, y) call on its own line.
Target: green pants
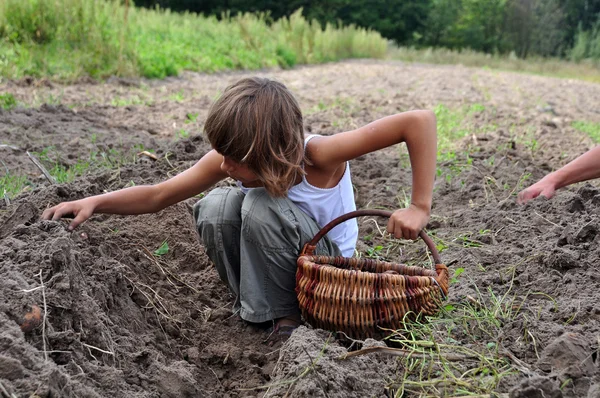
point(254, 241)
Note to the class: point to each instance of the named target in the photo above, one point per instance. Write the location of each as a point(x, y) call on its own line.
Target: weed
point(457, 273)
point(191, 118)
point(177, 97)
point(459, 352)
point(374, 252)
point(7, 101)
point(590, 128)
point(11, 185)
point(404, 200)
point(182, 133)
point(133, 100)
point(162, 250)
point(476, 108)
point(343, 104)
point(465, 240)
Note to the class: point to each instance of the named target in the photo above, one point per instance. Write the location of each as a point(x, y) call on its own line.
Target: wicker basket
point(360, 296)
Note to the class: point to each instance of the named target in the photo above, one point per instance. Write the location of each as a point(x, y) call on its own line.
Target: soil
point(96, 313)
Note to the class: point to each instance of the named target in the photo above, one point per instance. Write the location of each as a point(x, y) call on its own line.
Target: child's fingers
point(525, 196)
point(59, 212)
point(401, 231)
point(81, 217)
point(47, 214)
point(406, 226)
point(548, 193)
point(393, 228)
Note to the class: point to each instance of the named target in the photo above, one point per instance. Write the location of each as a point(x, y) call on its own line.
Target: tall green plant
point(63, 37)
point(587, 44)
point(103, 37)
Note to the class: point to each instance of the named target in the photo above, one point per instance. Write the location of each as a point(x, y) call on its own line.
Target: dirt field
point(121, 321)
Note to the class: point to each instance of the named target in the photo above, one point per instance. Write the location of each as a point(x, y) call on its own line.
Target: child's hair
point(258, 122)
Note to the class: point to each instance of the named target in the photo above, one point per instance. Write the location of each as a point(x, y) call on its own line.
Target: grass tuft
point(590, 128)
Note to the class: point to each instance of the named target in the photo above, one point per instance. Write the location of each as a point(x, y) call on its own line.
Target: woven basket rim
point(328, 267)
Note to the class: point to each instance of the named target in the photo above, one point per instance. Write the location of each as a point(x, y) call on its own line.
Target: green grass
point(66, 39)
point(584, 70)
point(133, 100)
point(453, 124)
point(590, 128)
point(13, 184)
point(460, 351)
point(7, 101)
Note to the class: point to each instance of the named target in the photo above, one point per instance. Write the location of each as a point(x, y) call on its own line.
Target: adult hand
point(80, 209)
point(408, 223)
point(543, 187)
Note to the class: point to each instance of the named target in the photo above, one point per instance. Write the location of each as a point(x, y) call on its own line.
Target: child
point(585, 167)
point(289, 185)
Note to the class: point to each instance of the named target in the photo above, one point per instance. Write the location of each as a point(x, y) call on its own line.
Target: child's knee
point(221, 205)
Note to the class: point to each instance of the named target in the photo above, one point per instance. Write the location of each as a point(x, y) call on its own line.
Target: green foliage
point(476, 24)
point(590, 128)
point(64, 38)
point(450, 126)
point(71, 38)
point(457, 274)
point(7, 101)
point(183, 133)
point(394, 19)
point(11, 185)
point(162, 250)
point(587, 44)
point(519, 27)
point(536, 65)
point(286, 58)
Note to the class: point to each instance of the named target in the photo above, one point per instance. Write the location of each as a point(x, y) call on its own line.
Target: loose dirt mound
point(117, 319)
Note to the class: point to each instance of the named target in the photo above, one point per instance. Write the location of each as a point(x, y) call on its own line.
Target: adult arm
point(585, 167)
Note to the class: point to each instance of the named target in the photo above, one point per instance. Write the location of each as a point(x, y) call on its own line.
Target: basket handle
point(310, 247)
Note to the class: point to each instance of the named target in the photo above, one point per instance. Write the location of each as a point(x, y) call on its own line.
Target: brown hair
point(257, 122)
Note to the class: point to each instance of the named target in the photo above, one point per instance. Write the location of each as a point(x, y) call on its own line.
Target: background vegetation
point(71, 38)
point(66, 39)
point(557, 28)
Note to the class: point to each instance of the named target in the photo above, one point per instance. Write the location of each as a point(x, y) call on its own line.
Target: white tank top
point(325, 204)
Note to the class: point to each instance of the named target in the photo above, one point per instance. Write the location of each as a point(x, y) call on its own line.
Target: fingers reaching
point(534, 191)
point(80, 210)
point(526, 195)
point(81, 217)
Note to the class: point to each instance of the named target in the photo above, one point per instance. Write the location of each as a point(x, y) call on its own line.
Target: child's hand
point(543, 187)
point(81, 209)
point(408, 223)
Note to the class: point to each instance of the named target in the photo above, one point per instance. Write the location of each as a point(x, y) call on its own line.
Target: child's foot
point(283, 329)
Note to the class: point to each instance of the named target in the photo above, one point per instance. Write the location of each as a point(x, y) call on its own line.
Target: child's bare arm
point(585, 167)
point(145, 198)
point(418, 130)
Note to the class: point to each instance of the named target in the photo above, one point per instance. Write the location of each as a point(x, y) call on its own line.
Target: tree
point(536, 27)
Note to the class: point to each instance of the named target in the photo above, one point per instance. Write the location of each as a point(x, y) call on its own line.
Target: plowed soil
point(119, 320)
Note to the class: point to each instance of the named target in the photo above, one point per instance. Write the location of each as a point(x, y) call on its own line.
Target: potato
point(32, 319)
